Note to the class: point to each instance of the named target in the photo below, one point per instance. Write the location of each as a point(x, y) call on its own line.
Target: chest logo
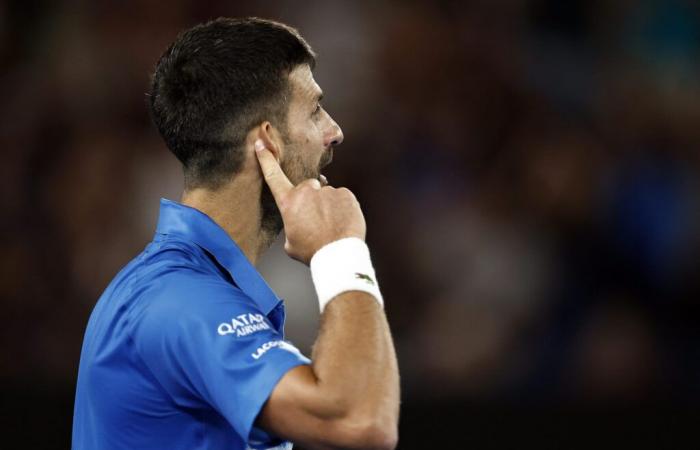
point(243, 325)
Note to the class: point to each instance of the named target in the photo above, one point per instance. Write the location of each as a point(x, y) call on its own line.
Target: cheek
point(308, 142)
point(307, 133)
point(313, 138)
point(314, 133)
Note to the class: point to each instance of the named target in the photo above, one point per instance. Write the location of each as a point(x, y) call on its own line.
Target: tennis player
point(185, 348)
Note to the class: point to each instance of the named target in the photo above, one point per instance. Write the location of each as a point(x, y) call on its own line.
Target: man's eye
point(317, 109)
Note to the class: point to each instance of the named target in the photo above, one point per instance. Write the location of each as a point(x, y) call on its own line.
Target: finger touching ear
point(269, 135)
point(279, 184)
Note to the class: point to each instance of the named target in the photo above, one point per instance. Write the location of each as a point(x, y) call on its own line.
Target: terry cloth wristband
point(341, 266)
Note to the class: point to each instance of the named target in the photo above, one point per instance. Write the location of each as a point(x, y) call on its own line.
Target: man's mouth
point(325, 161)
point(329, 158)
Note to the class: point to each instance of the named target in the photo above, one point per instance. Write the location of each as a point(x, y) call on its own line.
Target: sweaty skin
point(349, 396)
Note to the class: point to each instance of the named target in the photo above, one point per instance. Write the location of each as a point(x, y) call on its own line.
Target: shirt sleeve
point(206, 342)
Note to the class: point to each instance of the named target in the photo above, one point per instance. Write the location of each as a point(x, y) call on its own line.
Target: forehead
point(304, 87)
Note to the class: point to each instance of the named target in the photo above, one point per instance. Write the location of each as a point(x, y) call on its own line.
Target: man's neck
point(236, 209)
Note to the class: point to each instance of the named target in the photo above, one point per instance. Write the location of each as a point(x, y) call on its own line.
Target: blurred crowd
point(529, 171)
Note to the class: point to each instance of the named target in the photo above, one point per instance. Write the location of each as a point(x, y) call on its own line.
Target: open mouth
point(329, 157)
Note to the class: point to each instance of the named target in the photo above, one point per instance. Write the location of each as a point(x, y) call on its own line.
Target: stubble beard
point(271, 223)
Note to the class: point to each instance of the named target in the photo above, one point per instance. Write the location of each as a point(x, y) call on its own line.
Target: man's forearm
point(349, 397)
point(355, 362)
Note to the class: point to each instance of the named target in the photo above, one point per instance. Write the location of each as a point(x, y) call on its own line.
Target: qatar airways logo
point(243, 325)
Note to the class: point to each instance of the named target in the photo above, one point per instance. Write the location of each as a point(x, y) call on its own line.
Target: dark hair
point(215, 83)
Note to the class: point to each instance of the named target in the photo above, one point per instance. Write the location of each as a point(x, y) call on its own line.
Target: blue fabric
point(183, 348)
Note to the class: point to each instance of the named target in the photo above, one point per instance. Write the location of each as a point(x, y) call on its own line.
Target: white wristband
point(341, 266)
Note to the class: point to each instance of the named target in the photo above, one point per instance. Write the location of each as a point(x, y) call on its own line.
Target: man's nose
point(335, 137)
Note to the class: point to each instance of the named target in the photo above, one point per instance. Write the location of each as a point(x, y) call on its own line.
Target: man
point(185, 348)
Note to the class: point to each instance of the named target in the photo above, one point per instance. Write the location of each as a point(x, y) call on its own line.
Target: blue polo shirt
point(183, 348)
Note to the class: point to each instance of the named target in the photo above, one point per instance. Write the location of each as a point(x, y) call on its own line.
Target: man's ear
point(271, 138)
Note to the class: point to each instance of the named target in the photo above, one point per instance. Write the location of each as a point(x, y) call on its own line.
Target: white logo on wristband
point(342, 266)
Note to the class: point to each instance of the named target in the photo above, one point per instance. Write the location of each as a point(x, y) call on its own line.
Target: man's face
point(308, 143)
point(311, 132)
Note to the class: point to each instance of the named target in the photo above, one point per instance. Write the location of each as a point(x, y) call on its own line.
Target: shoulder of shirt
point(177, 275)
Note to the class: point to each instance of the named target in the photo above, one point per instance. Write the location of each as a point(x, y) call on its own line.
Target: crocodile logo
point(362, 276)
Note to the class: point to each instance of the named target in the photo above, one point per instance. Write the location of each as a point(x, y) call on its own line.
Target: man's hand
point(313, 215)
point(349, 396)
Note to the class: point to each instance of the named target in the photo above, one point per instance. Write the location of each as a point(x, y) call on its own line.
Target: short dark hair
point(215, 83)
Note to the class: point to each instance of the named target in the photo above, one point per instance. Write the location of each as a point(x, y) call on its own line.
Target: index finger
point(274, 176)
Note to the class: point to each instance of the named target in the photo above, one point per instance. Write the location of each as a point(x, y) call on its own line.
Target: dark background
point(528, 171)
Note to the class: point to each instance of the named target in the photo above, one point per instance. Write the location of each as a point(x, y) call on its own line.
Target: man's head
point(220, 83)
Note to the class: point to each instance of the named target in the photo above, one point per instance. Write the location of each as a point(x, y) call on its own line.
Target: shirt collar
point(194, 225)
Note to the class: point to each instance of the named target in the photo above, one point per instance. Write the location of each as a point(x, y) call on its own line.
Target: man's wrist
point(341, 266)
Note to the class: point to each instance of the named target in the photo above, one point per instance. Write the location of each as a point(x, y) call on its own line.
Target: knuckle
point(302, 190)
point(310, 184)
point(347, 193)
